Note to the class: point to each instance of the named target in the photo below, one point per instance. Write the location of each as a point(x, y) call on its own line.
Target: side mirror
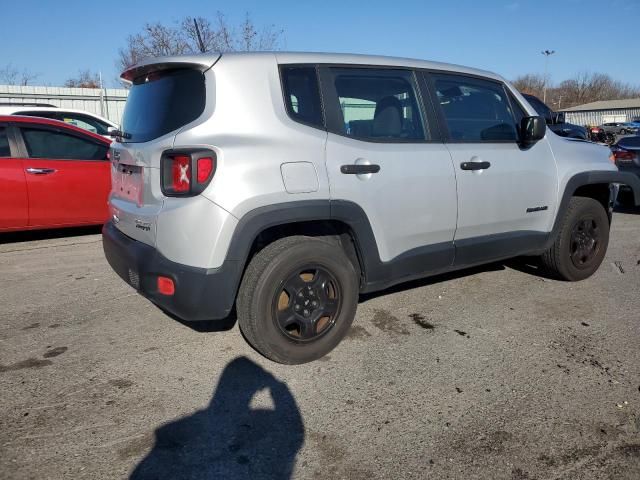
point(111, 130)
point(532, 129)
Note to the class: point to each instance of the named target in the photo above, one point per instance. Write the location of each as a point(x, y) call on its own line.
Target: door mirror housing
point(532, 129)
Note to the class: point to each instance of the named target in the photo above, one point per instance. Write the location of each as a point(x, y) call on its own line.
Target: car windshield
point(539, 106)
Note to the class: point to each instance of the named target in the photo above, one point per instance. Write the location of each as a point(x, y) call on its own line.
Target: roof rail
point(25, 104)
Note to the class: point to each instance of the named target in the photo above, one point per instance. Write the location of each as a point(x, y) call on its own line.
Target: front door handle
point(40, 171)
point(475, 165)
point(359, 169)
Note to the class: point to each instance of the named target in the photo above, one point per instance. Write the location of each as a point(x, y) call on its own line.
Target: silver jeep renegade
point(285, 184)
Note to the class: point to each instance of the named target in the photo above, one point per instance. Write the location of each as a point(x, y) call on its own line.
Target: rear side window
point(378, 104)
point(42, 143)
point(85, 122)
point(475, 110)
point(161, 102)
point(302, 94)
point(5, 151)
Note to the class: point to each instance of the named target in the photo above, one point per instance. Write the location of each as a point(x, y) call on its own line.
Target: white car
point(80, 118)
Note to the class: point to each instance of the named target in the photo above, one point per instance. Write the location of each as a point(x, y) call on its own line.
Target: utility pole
point(101, 95)
point(547, 54)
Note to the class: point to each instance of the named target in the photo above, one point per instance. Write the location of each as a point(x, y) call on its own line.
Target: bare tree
point(9, 75)
point(218, 35)
point(85, 79)
point(583, 88)
point(530, 83)
point(591, 87)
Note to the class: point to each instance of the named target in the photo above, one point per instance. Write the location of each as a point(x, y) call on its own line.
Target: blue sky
point(56, 39)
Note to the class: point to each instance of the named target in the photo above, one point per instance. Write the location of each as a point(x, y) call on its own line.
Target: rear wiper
point(119, 133)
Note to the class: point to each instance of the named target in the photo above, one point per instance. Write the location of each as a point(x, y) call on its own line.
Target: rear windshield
point(162, 102)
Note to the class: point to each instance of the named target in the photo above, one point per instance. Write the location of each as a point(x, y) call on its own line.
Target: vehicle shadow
point(229, 439)
point(32, 235)
point(423, 282)
point(204, 326)
point(631, 210)
point(529, 265)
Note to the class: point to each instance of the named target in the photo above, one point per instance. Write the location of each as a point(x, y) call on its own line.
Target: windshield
point(162, 102)
point(540, 107)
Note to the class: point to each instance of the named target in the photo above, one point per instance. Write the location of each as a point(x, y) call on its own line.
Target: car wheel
point(623, 132)
point(581, 243)
point(297, 299)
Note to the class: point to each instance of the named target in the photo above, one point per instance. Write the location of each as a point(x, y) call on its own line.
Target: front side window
point(475, 110)
point(302, 94)
point(378, 104)
point(43, 143)
point(5, 151)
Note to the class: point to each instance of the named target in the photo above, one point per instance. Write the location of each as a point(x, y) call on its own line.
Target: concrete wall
point(108, 102)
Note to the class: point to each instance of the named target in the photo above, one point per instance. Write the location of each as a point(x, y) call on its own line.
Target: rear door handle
point(359, 169)
point(475, 165)
point(40, 171)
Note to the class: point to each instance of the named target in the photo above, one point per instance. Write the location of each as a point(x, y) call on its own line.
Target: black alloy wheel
point(298, 298)
point(308, 303)
point(585, 242)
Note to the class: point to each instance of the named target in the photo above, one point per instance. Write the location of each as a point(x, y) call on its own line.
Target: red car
point(52, 174)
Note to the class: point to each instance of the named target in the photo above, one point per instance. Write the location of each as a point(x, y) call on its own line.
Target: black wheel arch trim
point(376, 273)
point(418, 262)
point(594, 177)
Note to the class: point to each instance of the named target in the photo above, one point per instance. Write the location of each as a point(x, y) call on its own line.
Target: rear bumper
point(200, 293)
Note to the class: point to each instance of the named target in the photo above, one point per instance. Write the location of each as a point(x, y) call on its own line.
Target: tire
point(576, 252)
point(295, 273)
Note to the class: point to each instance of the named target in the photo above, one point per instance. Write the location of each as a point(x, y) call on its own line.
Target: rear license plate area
point(128, 183)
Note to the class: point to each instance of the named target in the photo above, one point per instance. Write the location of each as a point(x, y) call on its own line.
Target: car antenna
point(200, 44)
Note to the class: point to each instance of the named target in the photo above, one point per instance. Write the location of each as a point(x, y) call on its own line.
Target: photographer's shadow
point(228, 439)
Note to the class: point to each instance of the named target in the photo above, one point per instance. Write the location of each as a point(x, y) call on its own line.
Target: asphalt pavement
point(493, 373)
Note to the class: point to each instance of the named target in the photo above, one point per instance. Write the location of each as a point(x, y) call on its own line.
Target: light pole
point(547, 54)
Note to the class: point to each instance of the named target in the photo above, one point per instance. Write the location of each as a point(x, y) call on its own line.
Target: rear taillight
point(186, 173)
point(180, 174)
point(205, 168)
point(622, 156)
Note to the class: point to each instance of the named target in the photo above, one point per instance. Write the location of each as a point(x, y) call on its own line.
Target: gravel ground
point(494, 373)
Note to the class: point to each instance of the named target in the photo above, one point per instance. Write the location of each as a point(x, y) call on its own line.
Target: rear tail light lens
point(205, 168)
point(623, 156)
point(181, 173)
point(186, 173)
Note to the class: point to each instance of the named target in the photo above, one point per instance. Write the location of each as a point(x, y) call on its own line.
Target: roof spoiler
point(198, 62)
